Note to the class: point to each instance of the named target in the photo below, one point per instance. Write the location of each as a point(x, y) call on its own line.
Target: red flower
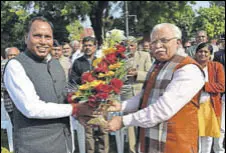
point(69, 98)
point(92, 102)
point(111, 58)
point(87, 77)
point(120, 49)
point(102, 67)
point(101, 96)
point(103, 88)
point(120, 55)
point(116, 85)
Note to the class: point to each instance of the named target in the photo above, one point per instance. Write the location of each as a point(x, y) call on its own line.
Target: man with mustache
point(81, 65)
point(138, 63)
point(56, 51)
point(36, 84)
point(84, 63)
point(167, 108)
point(65, 59)
point(201, 36)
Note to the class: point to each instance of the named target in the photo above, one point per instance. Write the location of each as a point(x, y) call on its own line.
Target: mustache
point(87, 50)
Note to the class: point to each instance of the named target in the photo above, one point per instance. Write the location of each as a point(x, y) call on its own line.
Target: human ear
point(179, 42)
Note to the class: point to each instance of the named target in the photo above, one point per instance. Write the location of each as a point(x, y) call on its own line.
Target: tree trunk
point(146, 36)
point(96, 16)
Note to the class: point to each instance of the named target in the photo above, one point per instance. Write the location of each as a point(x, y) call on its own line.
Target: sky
point(118, 13)
point(200, 4)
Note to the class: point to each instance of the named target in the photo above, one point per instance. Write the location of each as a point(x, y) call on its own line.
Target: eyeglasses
point(162, 40)
point(88, 45)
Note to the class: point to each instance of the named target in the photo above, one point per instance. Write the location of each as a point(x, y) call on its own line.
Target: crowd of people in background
point(76, 57)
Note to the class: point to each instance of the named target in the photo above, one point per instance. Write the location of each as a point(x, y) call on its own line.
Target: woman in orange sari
point(210, 100)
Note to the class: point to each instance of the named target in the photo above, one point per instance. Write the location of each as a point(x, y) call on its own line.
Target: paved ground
point(4, 139)
point(113, 148)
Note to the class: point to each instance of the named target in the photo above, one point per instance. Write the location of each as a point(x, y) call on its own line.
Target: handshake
point(88, 115)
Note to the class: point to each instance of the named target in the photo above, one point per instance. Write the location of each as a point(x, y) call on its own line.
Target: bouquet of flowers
point(101, 85)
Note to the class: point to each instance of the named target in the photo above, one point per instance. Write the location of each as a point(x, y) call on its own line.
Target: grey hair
point(132, 39)
point(72, 43)
point(201, 31)
point(7, 50)
point(175, 29)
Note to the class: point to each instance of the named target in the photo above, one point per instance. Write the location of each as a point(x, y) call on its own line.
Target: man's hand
point(115, 124)
point(114, 106)
point(83, 120)
point(82, 109)
point(132, 72)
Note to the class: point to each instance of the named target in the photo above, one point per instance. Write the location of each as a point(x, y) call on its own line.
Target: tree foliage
point(13, 19)
point(218, 3)
point(150, 13)
point(185, 20)
point(75, 30)
point(96, 16)
point(65, 16)
point(212, 20)
point(18, 13)
point(62, 14)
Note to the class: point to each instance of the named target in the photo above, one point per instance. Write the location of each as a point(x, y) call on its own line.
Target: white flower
point(113, 37)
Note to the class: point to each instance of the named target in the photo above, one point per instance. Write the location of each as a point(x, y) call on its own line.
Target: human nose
point(158, 44)
point(43, 40)
point(11, 56)
point(203, 53)
point(88, 47)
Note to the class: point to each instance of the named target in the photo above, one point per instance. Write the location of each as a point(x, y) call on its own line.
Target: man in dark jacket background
point(81, 65)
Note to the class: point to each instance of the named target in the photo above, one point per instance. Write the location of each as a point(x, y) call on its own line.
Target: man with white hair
point(76, 53)
point(167, 108)
point(9, 53)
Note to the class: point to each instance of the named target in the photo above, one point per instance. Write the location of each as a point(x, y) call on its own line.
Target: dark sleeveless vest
point(42, 135)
